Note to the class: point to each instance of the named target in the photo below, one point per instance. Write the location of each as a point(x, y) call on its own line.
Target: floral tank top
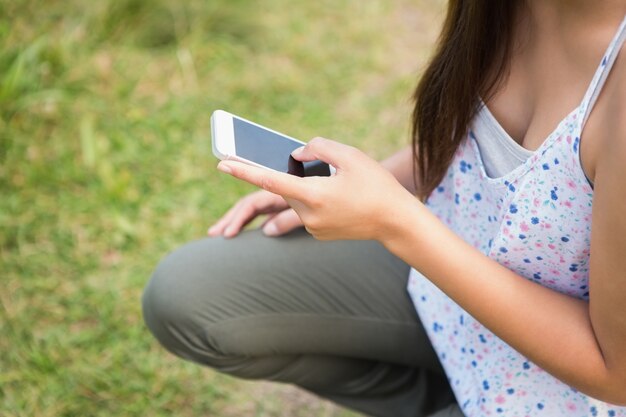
point(536, 221)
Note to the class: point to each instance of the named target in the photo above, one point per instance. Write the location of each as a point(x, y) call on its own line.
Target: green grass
point(105, 165)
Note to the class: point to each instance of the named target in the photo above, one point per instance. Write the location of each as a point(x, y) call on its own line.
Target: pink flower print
point(571, 185)
point(544, 226)
point(569, 140)
point(524, 227)
point(500, 399)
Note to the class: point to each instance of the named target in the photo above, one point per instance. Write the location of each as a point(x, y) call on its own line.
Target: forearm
point(551, 329)
point(400, 164)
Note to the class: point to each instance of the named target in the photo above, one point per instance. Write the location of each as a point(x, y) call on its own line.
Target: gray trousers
point(331, 317)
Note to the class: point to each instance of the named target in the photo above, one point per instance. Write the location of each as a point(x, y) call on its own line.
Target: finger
point(258, 203)
point(218, 227)
point(244, 215)
point(282, 223)
point(326, 150)
point(272, 181)
point(267, 219)
point(239, 216)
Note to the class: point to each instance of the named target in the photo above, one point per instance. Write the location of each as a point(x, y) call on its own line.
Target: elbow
point(613, 390)
point(618, 391)
point(616, 398)
point(608, 386)
point(617, 380)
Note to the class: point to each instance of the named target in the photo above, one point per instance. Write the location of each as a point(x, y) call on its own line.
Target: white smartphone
point(236, 138)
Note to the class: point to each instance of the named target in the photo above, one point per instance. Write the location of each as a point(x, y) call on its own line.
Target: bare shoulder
point(605, 132)
point(614, 137)
point(611, 152)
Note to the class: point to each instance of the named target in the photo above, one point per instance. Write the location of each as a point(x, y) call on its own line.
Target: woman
point(518, 131)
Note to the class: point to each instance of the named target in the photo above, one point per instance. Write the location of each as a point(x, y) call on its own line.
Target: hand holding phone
point(239, 139)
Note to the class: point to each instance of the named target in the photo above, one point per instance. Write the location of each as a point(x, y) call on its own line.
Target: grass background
point(106, 164)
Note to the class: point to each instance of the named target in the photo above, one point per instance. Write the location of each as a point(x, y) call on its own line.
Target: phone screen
point(272, 150)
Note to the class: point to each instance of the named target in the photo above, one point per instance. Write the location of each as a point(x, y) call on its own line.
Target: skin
point(282, 219)
point(558, 45)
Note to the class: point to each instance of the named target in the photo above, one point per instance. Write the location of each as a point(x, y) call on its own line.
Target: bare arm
point(400, 164)
point(580, 343)
point(557, 333)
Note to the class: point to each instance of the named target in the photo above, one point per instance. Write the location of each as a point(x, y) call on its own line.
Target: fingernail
point(224, 167)
point(297, 151)
point(270, 229)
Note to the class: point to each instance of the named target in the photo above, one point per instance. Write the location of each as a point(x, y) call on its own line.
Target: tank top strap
point(602, 73)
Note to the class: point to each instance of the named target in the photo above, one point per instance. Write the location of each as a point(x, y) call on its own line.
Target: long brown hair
point(470, 61)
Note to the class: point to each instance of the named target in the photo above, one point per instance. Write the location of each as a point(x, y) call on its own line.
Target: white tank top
point(536, 221)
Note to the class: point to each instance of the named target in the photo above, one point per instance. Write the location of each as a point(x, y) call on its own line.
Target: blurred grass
point(105, 165)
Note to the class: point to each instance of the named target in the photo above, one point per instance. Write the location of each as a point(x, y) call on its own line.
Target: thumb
point(281, 223)
point(325, 150)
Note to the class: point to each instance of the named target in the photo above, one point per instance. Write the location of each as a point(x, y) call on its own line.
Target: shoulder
point(615, 134)
point(609, 128)
point(617, 91)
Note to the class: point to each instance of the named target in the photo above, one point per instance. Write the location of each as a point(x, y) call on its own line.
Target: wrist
point(401, 222)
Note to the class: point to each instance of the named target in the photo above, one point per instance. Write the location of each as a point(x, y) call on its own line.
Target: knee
point(195, 290)
point(189, 301)
point(163, 313)
point(174, 307)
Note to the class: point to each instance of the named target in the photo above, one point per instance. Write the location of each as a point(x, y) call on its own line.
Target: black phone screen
point(272, 150)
